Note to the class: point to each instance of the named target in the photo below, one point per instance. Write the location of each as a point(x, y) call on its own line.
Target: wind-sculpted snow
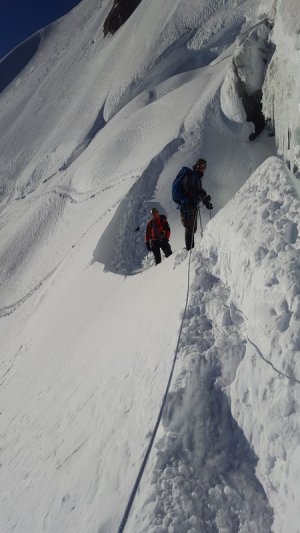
point(126, 229)
point(241, 91)
point(97, 126)
point(93, 132)
point(53, 111)
point(256, 254)
point(281, 100)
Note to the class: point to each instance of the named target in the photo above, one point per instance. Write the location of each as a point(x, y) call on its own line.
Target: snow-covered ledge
point(254, 242)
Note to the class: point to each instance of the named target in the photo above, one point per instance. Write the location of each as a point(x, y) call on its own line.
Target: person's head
point(154, 212)
point(200, 165)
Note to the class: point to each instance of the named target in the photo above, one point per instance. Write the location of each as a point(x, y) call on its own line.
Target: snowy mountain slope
point(121, 149)
point(94, 131)
point(264, 287)
point(51, 95)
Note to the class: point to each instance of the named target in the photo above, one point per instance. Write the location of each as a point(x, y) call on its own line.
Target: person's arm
point(148, 237)
point(167, 229)
point(206, 200)
point(202, 194)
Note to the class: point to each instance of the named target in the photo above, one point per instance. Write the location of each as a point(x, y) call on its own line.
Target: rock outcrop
point(119, 13)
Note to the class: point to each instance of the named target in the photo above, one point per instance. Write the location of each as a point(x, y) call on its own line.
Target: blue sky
point(20, 18)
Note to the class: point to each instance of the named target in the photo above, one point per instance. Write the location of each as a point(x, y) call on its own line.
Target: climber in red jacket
point(158, 235)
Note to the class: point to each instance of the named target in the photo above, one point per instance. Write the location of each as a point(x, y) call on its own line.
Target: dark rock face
point(119, 13)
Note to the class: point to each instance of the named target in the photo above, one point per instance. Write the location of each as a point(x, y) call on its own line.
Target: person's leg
point(156, 251)
point(184, 220)
point(166, 248)
point(189, 238)
point(189, 220)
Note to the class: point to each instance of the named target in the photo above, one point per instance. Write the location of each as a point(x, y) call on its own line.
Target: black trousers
point(156, 246)
point(189, 221)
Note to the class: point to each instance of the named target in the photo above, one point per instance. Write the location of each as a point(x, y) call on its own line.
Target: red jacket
point(157, 228)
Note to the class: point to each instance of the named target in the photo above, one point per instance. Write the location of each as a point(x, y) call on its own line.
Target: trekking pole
point(200, 220)
point(193, 230)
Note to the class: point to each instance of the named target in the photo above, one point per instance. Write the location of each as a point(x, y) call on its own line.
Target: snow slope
point(94, 130)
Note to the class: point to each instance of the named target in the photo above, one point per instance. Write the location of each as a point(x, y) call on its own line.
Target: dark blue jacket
point(192, 188)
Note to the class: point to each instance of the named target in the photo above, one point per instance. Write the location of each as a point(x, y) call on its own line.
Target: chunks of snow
point(281, 90)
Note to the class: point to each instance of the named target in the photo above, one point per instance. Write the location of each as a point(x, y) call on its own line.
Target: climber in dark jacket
point(158, 235)
point(193, 194)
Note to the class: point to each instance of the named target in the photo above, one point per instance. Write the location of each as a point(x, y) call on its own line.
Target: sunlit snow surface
point(93, 131)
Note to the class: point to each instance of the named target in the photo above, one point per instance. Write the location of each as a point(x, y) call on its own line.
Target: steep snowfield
point(93, 132)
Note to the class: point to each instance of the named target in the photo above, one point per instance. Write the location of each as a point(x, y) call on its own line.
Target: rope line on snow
point(277, 370)
point(152, 438)
point(295, 380)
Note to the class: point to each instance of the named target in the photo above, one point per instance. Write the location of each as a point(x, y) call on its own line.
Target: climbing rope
point(290, 378)
point(152, 438)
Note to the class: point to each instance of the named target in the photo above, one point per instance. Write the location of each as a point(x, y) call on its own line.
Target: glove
point(148, 246)
point(206, 201)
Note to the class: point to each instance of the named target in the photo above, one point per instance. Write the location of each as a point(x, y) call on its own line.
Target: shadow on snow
point(121, 247)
